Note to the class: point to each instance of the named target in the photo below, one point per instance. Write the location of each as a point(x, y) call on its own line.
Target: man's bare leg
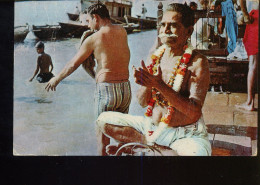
point(251, 79)
point(103, 141)
point(128, 135)
point(120, 134)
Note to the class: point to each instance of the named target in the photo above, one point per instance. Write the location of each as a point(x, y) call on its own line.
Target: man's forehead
point(171, 16)
point(88, 15)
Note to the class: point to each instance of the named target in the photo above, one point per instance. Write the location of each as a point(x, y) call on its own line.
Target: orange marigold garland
point(174, 82)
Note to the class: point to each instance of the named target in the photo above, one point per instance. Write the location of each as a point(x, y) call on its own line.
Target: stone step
point(228, 145)
point(234, 130)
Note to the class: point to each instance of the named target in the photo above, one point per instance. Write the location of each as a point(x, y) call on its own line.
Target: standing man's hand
point(52, 84)
point(31, 79)
point(144, 78)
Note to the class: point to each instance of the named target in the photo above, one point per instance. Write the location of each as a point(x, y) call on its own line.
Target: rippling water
point(62, 122)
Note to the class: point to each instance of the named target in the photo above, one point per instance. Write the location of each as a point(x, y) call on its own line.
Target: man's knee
point(191, 147)
point(102, 120)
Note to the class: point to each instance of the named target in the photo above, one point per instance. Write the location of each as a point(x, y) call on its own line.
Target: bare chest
point(169, 65)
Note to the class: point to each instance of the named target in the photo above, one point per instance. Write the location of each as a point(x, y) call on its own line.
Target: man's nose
point(167, 28)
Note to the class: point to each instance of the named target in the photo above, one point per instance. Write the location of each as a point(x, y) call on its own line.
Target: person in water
point(44, 63)
point(110, 48)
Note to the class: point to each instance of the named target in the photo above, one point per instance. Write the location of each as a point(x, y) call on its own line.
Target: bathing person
point(110, 48)
point(173, 88)
point(44, 63)
point(250, 41)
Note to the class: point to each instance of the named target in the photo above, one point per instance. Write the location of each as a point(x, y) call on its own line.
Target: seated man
point(173, 87)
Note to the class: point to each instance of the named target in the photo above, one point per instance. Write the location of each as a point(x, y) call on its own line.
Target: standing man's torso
point(112, 54)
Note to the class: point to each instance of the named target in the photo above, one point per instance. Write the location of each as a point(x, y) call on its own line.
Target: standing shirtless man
point(175, 118)
point(110, 48)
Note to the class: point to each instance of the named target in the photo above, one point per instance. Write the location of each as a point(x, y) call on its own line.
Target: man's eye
point(162, 24)
point(173, 25)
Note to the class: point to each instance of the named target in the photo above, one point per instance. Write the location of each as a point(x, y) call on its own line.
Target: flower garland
point(174, 82)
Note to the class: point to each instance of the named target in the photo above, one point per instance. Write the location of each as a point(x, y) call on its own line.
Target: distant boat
point(72, 29)
point(147, 23)
point(46, 32)
point(130, 27)
point(119, 9)
point(20, 33)
point(73, 17)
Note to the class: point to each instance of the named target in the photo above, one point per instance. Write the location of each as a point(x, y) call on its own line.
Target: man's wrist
point(58, 78)
point(159, 85)
point(145, 89)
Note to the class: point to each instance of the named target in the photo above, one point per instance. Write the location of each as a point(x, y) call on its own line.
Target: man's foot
point(140, 150)
point(112, 149)
point(165, 151)
point(245, 106)
point(133, 150)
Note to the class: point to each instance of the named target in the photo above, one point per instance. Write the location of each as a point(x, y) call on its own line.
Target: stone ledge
point(233, 130)
point(238, 140)
point(227, 145)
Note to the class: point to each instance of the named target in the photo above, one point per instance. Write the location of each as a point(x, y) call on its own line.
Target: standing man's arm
point(36, 70)
point(85, 51)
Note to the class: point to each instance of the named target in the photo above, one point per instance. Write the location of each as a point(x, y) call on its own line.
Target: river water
point(62, 122)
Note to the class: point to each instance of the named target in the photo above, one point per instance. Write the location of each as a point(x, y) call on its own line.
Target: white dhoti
point(190, 140)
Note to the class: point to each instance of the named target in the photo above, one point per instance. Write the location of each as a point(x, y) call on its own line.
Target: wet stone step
point(237, 145)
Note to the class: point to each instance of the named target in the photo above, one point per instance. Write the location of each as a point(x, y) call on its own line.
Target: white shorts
point(190, 140)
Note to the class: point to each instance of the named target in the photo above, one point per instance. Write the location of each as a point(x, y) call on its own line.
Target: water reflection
point(32, 100)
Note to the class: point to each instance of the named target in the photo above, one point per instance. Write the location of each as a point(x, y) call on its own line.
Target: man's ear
point(96, 17)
